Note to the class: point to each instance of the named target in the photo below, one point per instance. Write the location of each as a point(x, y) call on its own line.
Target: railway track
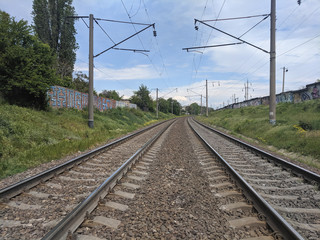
point(30, 208)
point(292, 191)
point(166, 195)
point(174, 187)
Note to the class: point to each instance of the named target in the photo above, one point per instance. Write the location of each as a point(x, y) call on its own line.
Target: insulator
point(154, 33)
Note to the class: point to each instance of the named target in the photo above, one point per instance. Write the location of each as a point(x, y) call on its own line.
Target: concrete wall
point(61, 97)
point(312, 91)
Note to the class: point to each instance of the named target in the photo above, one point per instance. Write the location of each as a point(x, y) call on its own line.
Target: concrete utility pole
point(157, 103)
point(272, 98)
point(90, 99)
point(206, 98)
point(201, 105)
point(172, 106)
point(283, 76)
point(91, 56)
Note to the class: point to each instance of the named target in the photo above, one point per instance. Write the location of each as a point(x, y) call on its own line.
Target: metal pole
point(90, 100)
point(172, 106)
point(201, 106)
point(272, 103)
point(157, 104)
point(207, 97)
point(283, 77)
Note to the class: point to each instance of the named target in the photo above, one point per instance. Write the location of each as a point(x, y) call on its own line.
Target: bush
point(26, 64)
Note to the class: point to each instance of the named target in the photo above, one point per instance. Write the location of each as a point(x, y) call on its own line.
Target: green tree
point(26, 64)
point(81, 83)
point(142, 99)
point(163, 105)
point(54, 28)
point(111, 94)
point(174, 106)
point(193, 109)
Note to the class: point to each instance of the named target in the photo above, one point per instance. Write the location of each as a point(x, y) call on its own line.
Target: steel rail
point(74, 219)
point(273, 218)
point(295, 169)
point(15, 189)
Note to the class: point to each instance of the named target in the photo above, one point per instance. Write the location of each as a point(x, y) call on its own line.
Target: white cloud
point(138, 72)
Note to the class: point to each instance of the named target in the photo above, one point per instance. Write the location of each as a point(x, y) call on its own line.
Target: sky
point(181, 74)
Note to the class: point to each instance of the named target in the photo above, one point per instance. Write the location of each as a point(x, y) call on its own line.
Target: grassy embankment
point(29, 137)
point(296, 134)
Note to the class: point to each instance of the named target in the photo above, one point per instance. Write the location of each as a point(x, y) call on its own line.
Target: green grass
point(297, 129)
point(29, 137)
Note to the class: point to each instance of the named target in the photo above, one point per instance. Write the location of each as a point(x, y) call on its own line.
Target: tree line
point(144, 101)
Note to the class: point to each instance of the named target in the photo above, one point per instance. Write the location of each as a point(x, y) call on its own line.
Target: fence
point(60, 97)
point(309, 93)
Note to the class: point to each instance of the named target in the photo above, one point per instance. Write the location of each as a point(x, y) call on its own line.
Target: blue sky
point(167, 67)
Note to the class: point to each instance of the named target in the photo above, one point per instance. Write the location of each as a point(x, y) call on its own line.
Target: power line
point(157, 44)
point(279, 45)
point(137, 10)
point(288, 16)
point(298, 26)
point(197, 68)
point(140, 38)
point(104, 31)
point(299, 45)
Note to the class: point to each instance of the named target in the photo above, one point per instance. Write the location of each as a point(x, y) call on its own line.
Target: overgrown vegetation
point(29, 137)
point(297, 129)
point(26, 64)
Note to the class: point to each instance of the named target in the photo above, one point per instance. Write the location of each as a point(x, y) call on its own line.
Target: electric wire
point(299, 25)
point(299, 45)
point(159, 73)
point(257, 52)
point(197, 69)
point(266, 62)
point(196, 37)
point(104, 31)
point(157, 44)
point(137, 10)
point(280, 24)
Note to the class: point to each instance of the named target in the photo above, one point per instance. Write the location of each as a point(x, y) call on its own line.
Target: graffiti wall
point(312, 91)
point(60, 97)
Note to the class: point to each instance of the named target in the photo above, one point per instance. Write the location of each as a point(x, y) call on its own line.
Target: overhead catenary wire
point(104, 31)
point(279, 55)
point(266, 62)
point(299, 45)
point(197, 67)
point(137, 9)
point(156, 69)
point(157, 44)
point(260, 66)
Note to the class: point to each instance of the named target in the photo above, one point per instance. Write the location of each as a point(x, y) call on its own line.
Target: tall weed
point(30, 137)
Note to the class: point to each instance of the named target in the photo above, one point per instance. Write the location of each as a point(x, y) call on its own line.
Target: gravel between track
point(175, 201)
